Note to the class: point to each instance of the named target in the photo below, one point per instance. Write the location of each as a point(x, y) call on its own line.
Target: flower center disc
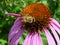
point(39, 12)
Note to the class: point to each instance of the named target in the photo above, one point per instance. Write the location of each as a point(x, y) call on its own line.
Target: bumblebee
point(28, 19)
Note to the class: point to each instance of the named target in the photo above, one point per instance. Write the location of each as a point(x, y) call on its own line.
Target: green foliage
point(16, 6)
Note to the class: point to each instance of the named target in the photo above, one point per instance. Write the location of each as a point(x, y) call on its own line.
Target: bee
point(28, 18)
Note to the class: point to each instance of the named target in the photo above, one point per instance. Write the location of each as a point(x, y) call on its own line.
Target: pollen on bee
point(28, 18)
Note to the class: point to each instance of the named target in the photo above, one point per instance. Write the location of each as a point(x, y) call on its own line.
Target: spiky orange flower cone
point(39, 12)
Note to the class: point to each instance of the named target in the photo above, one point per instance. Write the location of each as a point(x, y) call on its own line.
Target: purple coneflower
point(34, 18)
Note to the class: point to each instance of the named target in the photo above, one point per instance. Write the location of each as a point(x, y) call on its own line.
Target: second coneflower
point(34, 18)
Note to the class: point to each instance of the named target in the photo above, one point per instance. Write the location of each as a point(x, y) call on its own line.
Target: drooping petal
point(37, 39)
point(56, 27)
point(49, 37)
point(54, 21)
point(15, 28)
point(16, 38)
point(33, 39)
point(28, 40)
point(12, 14)
point(55, 34)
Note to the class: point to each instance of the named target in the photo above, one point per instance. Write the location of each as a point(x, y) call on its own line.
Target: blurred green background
point(16, 6)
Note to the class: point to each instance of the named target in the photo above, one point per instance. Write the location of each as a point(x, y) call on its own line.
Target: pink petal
point(55, 34)
point(16, 38)
point(37, 39)
point(28, 40)
point(15, 28)
point(55, 22)
point(12, 14)
point(49, 37)
point(56, 28)
point(33, 39)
